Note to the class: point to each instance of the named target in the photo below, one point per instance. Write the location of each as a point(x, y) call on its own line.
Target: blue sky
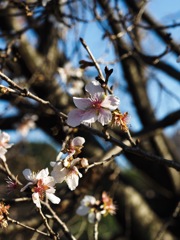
point(167, 12)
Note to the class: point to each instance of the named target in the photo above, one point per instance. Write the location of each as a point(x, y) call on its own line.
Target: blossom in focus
point(41, 185)
point(3, 215)
point(74, 146)
point(4, 144)
point(97, 107)
point(89, 205)
point(66, 170)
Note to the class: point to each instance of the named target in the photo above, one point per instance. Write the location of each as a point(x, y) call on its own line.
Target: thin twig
point(27, 227)
point(9, 173)
point(93, 59)
point(103, 162)
point(63, 226)
point(52, 233)
point(96, 230)
point(133, 150)
point(25, 93)
point(16, 200)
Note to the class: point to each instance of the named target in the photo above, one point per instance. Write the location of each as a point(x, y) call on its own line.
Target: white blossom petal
point(110, 102)
point(29, 175)
point(59, 173)
point(89, 116)
point(2, 153)
point(88, 200)
point(72, 179)
point(105, 116)
point(42, 174)
point(91, 217)
point(82, 210)
point(36, 200)
point(78, 141)
point(74, 117)
point(54, 199)
point(93, 87)
point(82, 103)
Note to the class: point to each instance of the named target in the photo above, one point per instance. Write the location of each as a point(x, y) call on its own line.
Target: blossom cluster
point(95, 209)
point(99, 106)
point(64, 169)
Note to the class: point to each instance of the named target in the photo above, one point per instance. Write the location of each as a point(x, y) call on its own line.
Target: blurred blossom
point(108, 205)
point(4, 144)
point(67, 72)
point(3, 4)
point(44, 2)
point(27, 123)
point(76, 87)
point(3, 215)
point(41, 185)
point(97, 107)
point(96, 208)
point(89, 206)
point(71, 77)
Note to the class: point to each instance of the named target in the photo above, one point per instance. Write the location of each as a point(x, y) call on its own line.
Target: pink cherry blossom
point(41, 185)
point(97, 107)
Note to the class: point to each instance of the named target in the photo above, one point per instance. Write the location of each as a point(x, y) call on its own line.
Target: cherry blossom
point(88, 206)
point(27, 123)
point(4, 144)
point(75, 145)
point(66, 170)
point(97, 107)
point(96, 208)
point(42, 186)
point(108, 205)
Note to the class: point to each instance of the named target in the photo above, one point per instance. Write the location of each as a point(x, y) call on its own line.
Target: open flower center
point(96, 104)
point(40, 189)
